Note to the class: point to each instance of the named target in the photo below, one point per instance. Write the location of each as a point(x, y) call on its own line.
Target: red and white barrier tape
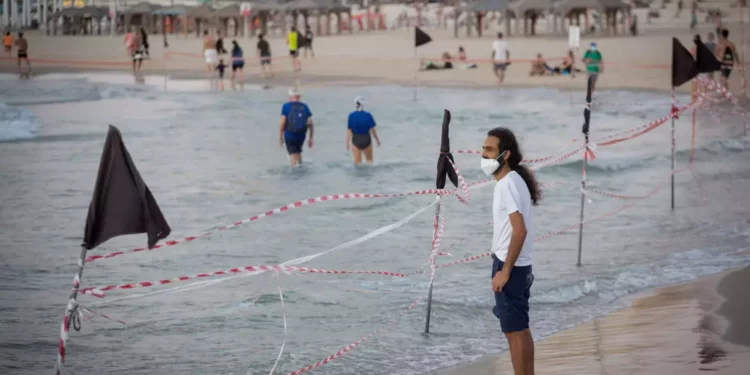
point(93, 314)
point(351, 346)
point(99, 291)
point(563, 230)
point(529, 161)
point(282, 209)
point(462, 184)
point(643, 129)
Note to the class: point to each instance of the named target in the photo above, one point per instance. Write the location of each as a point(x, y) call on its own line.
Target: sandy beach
point(384, 57)
point(682, 329)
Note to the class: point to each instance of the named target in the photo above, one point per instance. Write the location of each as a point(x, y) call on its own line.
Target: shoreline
point(687, 328)
point(285, 80)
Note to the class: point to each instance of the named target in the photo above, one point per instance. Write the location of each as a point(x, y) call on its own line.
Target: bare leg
point(528, 352)
point(357, 155)
point(521, 352)
point(295, 159)
point(368, 154)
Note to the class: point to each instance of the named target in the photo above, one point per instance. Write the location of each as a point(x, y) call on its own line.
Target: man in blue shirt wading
point(296, 119)
point(360, 125)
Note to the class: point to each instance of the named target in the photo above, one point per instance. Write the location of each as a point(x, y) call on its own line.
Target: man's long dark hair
point(509, 143)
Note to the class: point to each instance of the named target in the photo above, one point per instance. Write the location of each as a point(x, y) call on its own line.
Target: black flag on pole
point(122, 203)
point(444, 167)
point(683, 65)
point(420, 37)
point(705, 59)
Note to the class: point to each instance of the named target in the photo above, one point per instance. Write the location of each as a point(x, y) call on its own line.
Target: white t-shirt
point(499, 50)
point(511, 195)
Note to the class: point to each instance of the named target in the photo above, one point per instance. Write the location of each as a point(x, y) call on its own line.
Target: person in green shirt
point(292, 39)
point(594, 64)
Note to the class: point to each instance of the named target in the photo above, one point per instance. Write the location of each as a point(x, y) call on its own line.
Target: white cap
point(359, 100)
point(293, 91)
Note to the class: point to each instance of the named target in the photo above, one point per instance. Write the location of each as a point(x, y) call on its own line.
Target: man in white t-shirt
point(516, 191)
point(500, 57)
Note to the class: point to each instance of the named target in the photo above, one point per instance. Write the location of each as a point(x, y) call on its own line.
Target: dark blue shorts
point(294, 146)
point(500, 66)
point(512, 304)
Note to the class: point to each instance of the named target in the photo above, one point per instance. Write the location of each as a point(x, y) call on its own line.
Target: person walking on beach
point(515, 192)
point(209, 52)
point(594, 64)
point(238, 63)
point(296, 119)
point(23, 55)
point(220, 44)
point(292, 39)
point(360, 126)
point(8, 44)
point(144, 42)
point(726, 52)
point(264, 52)
point(500, 57)
point(307, 46)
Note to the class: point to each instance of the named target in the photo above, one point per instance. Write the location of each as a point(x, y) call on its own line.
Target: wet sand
point(692, 328)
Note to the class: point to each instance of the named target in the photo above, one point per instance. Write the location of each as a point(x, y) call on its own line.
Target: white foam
point(16, 123)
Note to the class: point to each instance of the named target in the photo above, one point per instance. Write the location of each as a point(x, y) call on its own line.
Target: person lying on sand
point(447, 64)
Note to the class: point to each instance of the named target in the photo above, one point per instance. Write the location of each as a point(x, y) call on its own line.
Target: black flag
point(420, 37)
point(683, 66)
point(122, 203)
point(444, 167)
point(705, 59)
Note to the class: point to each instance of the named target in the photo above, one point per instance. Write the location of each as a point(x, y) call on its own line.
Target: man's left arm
point(310, 126)
point(517, 238)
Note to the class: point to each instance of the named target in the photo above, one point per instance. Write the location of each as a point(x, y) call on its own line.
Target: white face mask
point(490, 166)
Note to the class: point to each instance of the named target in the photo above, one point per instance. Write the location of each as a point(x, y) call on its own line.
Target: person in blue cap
point(594, 64)
point(360, 126)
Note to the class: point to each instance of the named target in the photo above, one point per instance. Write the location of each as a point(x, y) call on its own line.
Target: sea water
point(213, 158)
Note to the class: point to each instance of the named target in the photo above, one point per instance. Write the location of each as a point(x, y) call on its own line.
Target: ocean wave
point(604, 165)
point(16, 123)
point(65, 89)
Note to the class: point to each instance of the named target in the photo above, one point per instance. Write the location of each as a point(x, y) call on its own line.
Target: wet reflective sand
point(685, 329)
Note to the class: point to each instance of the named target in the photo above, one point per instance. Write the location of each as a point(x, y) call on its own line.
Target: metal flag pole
point(444, 171)
point(585, 130)
point(415, 72)
point(166, 46)
point(674, 109)
point(432, 264)
point(70, 313)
